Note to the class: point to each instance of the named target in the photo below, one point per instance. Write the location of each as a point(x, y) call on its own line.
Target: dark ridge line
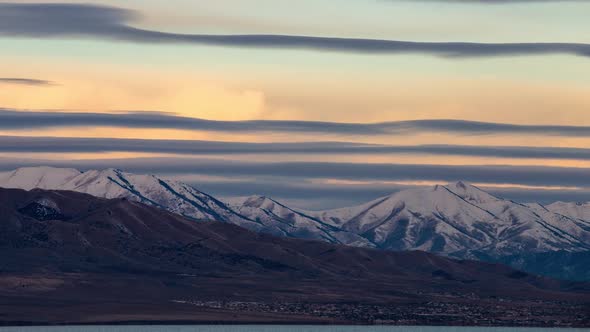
point(201, 209)
point(365, 211)
point(332, 228)
point(394, 212)
point(327, 236)
point(217, 202)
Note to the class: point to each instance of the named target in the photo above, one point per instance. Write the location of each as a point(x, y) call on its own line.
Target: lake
point(267, 328)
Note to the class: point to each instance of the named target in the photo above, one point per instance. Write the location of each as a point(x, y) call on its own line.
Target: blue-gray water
point(255, 328)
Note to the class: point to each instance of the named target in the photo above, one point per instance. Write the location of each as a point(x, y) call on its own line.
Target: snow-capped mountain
point(112, 183)
point(255, 214)
point(430, 220)
point(458, 220)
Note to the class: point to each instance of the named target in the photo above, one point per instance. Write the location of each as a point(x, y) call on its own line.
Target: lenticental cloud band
point(61, 20)
point(12, 144)
point(566, 177)
point(25, 120)
point(350, 182)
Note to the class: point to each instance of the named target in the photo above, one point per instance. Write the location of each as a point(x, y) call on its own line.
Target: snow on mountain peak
point(257, 201)
point(114, 183)
point(37, 177)
point(471, 193)
point(577, 210)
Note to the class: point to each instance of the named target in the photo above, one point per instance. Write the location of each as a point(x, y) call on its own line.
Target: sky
point(318, 103)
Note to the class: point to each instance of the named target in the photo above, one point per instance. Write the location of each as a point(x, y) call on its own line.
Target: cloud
point(304, 181)
point(26, 120)
point(25, 81)
point(324, 196)
point(518, 175)
point(189, 147)
point(60, 20)
point(522, 175)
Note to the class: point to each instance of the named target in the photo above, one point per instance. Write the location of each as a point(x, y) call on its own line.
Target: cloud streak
point(21, 144)
point(325, 196)
point(27, 120)
point(522, 175)
point(25, 81)
point(305, 181)
point(60, 20)
point(519, 175)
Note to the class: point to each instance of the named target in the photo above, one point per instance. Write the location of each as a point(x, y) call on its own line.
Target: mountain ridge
point(456, 220)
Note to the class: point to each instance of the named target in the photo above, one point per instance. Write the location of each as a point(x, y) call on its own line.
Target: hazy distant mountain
point(456, 220)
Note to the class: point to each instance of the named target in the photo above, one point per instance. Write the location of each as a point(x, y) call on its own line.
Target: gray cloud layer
point(323, 196)
point(522, 175)
point(288, 180)
point(79, 20)
point(25, 120)
point(25, 81)
point(89, 145)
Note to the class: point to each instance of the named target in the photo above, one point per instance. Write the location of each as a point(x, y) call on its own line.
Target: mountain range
point(72, 258)
point(456, 220)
